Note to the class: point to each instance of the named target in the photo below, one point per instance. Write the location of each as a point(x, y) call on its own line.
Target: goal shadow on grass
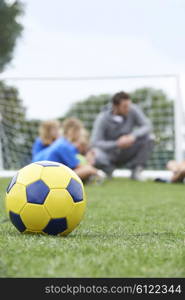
point(104, 236)
point(90, 234)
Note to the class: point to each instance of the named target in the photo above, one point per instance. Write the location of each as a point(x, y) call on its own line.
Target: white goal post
point(179, 123)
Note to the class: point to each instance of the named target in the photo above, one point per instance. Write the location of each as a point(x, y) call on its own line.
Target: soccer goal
point(159, 96)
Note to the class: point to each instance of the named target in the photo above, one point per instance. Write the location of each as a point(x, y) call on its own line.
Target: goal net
point(25, 102)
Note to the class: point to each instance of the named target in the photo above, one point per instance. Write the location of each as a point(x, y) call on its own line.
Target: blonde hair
point(71, 128)
point(49, 131)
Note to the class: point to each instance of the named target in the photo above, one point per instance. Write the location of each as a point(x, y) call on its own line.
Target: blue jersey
point(61, 151)
point(38, 146)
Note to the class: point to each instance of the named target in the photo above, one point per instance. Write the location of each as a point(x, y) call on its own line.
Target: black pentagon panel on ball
point(17, 222)
point(75, 190)
point(12, 182)
point(56, 226)
point(46, 163)
point(37, 192)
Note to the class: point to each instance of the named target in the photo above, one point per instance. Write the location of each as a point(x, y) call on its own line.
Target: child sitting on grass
point(67, 148)
point(178, 172)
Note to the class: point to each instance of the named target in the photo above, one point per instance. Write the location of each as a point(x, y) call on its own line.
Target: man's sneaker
point(136, 173)
point(161, 180)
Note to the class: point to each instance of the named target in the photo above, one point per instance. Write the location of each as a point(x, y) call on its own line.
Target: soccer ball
point(45, 197)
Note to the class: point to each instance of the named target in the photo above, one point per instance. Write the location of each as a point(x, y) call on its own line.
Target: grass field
point(130, 229)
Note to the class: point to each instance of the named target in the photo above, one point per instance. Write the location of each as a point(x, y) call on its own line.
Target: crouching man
point(121, 136)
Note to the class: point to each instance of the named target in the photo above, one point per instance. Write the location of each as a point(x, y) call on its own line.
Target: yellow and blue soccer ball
point(45, 197)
